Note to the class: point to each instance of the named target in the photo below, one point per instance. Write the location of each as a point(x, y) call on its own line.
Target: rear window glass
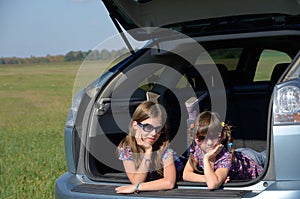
point(268, 60)
point(226, 56)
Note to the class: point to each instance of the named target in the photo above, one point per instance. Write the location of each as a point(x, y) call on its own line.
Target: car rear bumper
point(70, 186)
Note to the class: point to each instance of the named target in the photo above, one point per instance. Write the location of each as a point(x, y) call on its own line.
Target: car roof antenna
point(117, 25)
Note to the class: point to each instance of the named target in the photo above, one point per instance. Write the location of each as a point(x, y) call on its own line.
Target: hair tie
point(229, 145)
point(222, 124)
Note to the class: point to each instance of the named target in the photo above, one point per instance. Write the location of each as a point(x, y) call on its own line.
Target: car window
point(267, 62)
point(150, 81)
point(226, 56)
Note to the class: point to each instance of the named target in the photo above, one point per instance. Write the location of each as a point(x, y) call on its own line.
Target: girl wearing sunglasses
point(212, 158)
point(147, 158)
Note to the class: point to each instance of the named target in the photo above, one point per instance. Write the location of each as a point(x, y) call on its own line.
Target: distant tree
point(93, 55)
point(79, 56)
point(69, 56)
point(104, 54)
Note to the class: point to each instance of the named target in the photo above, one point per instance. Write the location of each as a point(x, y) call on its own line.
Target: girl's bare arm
point(190, 175)
point(167, 182)
point(214, 178)
point(139, 174)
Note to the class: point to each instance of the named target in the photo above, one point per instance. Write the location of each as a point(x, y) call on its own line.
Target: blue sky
point(52, 27)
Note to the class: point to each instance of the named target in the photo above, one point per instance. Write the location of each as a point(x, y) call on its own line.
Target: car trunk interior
point(247, 106)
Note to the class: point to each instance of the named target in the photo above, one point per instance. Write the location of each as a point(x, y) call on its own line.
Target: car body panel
point(286, 167)
point(132, 14)
point(69, 186)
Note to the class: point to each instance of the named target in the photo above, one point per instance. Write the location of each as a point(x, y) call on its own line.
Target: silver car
point(238, 58)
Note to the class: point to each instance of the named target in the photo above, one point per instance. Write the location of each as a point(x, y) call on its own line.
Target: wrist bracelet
point(136, 190)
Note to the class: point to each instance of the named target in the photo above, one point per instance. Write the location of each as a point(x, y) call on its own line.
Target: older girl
point(212, 152)
point(145, 152)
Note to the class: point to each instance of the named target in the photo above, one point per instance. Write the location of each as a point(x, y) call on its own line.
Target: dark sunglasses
point(149, 128)
point(201, 138)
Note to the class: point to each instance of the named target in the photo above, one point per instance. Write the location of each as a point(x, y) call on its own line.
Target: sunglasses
point(149, 128)
point(201, 139)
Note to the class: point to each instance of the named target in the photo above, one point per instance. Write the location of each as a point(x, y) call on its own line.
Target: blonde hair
point(209, 123)
point(145, 110)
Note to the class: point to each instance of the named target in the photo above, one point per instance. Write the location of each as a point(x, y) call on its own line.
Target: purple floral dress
point(241, 167)
point(126, 154)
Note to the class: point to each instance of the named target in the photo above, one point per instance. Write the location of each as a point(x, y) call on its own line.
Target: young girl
point(148, 162)
point(212, 152)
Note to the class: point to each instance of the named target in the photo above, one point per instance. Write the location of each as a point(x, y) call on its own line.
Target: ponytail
point(227, 140)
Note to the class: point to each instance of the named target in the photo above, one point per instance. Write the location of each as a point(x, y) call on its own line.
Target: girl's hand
point(140, 141)
point(197, 142)
point(125, 189)
point(211, 155)
point(227, 179)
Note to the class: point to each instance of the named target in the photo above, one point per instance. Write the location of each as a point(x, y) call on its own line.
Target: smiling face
point(148, 122)
point(208, 131)
point(149, 129)
point(209, 142)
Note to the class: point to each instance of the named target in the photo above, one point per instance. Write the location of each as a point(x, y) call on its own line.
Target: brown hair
point(145, 110)
point(209, 123)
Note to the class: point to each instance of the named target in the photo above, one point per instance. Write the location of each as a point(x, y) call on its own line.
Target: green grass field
point(34, 102)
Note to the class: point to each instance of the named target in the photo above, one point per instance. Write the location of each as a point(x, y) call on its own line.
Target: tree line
point(70, 56)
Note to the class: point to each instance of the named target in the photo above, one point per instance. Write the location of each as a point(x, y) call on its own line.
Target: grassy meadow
point(34, 103)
